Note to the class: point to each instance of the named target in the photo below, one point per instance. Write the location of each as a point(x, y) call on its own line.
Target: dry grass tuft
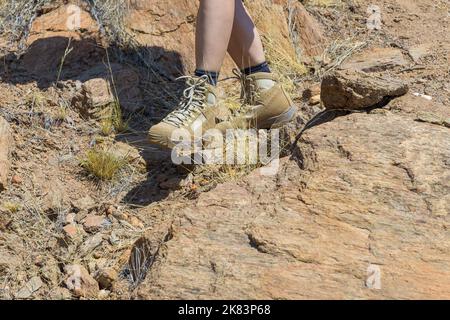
point(116, 118)
point(283, 62)
point(111, 119)
point(244, 159)
point(323, 3)
point(286, 65)
point(243, 152)
point(110, 16)
point(106, 127)
point(103, 164)
point(11, 207)
point(16, 18)
point(337, 52)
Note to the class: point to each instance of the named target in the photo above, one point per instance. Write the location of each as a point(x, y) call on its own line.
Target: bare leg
point(245, 45)
point(214, 25)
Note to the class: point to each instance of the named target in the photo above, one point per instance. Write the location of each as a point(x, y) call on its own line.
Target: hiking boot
point(266, 103)
point(196, 113)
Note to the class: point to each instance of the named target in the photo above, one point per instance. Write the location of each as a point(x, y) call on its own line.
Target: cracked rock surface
point(373, 191)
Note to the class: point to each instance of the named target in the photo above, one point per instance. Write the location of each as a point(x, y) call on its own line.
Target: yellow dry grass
point(11, 207)
point(102, 164)
point(283, 61)
point(324, 3)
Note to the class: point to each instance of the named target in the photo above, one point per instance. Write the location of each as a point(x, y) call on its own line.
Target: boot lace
point(192, 101)
point(249, 89)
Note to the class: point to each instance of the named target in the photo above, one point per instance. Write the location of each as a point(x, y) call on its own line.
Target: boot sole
point(278, 121)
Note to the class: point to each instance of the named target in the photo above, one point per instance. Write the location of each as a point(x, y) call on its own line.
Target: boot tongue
point(211, 95)
point(264, 84)
point(211, 98)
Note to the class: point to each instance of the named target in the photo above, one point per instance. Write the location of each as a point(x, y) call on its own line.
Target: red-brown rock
point(349, 89)
point(93, 223)
point(365, 204)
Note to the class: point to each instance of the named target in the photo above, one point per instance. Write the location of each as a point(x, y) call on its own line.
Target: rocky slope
point(358, 208)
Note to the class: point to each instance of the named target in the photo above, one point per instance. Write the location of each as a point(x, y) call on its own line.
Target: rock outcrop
point(55, 33)
point(376, 59)
point(103, 86)
point(166, 28)
point(360, 211)
point(306, 32)
point(350, 89)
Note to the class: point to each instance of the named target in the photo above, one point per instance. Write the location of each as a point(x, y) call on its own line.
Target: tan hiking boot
point(266, 103)
point(196, 113)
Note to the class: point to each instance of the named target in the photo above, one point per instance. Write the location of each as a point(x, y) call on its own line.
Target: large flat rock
point(351, 89)
point(366, 216)
point(376, 59)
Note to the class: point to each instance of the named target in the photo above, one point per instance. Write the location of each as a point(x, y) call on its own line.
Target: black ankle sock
point(212, 75)
point(262, 67)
